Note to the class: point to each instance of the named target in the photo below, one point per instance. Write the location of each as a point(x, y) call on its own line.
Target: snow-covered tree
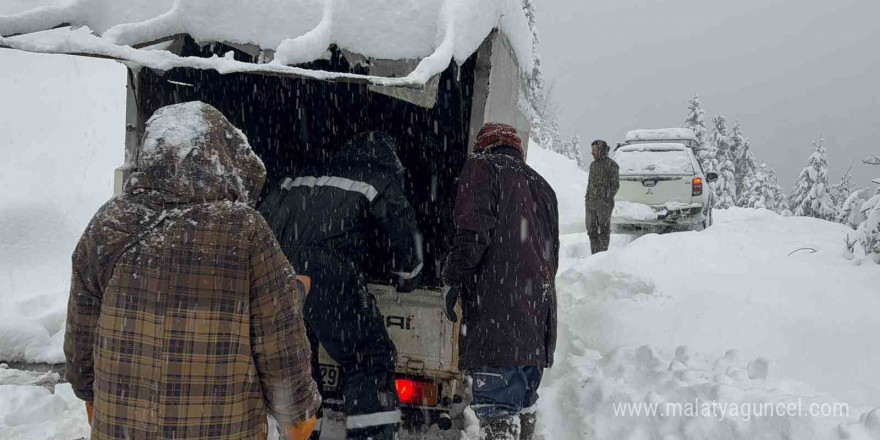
point(744, 162)
point(757, 191)
point(545, 128)
point(725, 187)
point(850, 212)
point(811, 196)
point(843, 189)
point(868, 233)
point(780, 200)
point(696, 121)
point(574, 151)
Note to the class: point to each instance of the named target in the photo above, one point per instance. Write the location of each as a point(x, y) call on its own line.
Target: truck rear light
point(697, 186)
point(416, 392)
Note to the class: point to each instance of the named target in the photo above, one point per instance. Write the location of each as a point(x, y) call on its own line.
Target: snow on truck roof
point(654, 159)
point(661, 134)
point(652, 147)
point(434, 32)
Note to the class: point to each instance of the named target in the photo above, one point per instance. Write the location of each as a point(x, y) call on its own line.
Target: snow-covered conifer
point(850, 212)
point(868, 233)
point(725, 187)
point(696, 121)
point(780, 200)
point(843, 189)
point(811, 196)
point(757, 190)
point(744, 162)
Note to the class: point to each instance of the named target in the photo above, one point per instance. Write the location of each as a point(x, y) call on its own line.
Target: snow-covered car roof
point(289, 32)
point(661, 134)
point(652, 147)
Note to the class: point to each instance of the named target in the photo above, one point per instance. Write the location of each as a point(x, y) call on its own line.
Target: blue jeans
point(501, 392)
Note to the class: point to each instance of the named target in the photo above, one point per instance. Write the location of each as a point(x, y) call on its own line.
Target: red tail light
point(697, 186)
point(415, 392)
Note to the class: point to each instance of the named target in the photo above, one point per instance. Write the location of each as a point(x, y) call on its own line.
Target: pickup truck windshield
point(654, 162)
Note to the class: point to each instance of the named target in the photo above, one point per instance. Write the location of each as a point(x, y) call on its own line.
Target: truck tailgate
point(426, 341)
point(655, 190)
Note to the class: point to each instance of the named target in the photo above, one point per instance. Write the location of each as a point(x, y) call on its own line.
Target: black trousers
point(348, 324)
point(599, 224)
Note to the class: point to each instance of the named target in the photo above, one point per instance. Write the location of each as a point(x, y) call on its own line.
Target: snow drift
point(725, 315)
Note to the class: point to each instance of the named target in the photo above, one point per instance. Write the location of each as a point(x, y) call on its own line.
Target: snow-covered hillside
point(725, 314)
point(57, 169)
point(569, 182)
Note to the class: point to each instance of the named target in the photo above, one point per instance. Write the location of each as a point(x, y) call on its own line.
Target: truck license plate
point(330, 377)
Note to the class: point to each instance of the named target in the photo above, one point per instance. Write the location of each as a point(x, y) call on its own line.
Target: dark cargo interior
point(293, 122)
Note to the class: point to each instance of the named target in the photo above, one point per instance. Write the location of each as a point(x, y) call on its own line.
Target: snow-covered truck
point(299, 77)
point(663, 186)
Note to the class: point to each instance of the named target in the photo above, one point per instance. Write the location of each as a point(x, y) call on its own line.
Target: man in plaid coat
point(184, 318)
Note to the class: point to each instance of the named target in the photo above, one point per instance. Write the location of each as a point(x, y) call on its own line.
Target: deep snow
point(790, 321)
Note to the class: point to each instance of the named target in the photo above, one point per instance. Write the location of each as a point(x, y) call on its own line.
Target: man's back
point(505, 256)
point(338, 207)
point(184, 320)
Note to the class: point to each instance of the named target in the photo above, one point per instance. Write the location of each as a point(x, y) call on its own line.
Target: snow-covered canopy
point(292, 31)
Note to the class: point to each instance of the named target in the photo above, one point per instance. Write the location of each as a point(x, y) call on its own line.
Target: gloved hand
point(304, 282)
point(451, 297)
point(90, 410)
point(302, 430)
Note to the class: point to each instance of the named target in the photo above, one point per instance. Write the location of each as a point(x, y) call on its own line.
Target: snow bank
point(435, 31)
point(735, 286)
point(569, 182)
point(33, 412)
point(59, 146)
point(589, 395)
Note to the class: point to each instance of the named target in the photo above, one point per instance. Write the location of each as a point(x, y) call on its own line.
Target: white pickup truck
point(662, 185)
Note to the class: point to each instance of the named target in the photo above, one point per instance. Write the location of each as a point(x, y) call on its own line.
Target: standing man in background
point(503, 265)
point(599, 200)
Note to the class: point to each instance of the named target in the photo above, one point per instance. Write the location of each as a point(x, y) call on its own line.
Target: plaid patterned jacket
point(184, 320)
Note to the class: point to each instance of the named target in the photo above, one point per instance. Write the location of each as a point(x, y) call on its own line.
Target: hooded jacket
point(184, 319)
point(328, 215)
point(504, 257)
point(604, 179)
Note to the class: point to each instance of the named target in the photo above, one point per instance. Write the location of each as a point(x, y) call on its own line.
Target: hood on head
point(191, 153)
point(371, 149)
point(602, 150)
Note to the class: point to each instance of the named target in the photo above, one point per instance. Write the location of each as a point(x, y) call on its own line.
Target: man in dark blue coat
point(326, 220)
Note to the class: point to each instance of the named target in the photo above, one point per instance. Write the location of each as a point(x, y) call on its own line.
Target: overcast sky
point(787, 69)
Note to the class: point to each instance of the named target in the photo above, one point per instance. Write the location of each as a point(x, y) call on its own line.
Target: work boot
point(502, 428)
point(527, 425)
